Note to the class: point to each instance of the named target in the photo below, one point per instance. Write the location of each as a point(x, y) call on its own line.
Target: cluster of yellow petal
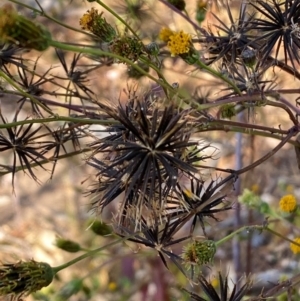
point(165, 34)
point(178, 42)
point(295, 249)
point(288, 203)
point(86, 21)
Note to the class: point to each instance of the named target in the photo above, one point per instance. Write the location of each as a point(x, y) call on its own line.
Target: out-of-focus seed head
point(24, 277)
point(21, 31)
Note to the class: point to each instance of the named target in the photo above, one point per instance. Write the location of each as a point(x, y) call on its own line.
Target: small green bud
point(100, 228)
point(152, 49)
point(67, 245)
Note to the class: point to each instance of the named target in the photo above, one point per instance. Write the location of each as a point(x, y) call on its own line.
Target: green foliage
point(152, 172)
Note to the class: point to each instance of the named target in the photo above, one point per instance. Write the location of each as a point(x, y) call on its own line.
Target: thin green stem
point(92, 51)
point(219, 75)
point(118, 17)
point(251, 132)
point(154, 67)
point(97, 52)
point(281, 236)
point(86, 255)
point(44, 14)
point(231, 235)
point(251, 228)
point(55, 119)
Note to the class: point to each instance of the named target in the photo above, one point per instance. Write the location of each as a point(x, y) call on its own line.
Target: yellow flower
point(94, 22)
point(202, 4)
point(255, 188)
point(295, 249)
point(86, 21)
point(165, 34)
point(215, 282)
point(112, 286)
point(288, 203)
point(179, 43)
point(289, 188)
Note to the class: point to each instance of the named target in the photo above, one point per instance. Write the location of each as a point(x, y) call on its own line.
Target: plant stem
point(118, 17)
point(44, 14)
point(92, 51)
point(231, 235)
point(57, 118)
point(86, 255)
point(219, 75)
point(281, 236)
point(251, 228)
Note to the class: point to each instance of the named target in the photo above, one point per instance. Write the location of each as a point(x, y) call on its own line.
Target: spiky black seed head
point(223, 293)
point(143, 155)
